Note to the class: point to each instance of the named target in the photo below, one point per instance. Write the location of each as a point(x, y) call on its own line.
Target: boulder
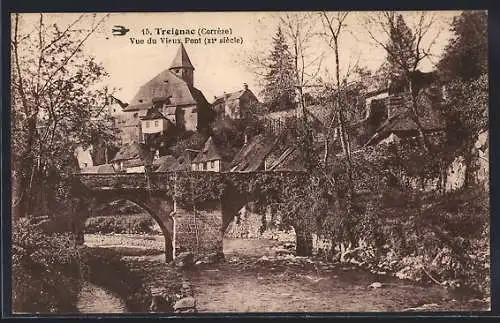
point(375, 285)
point(160, 303)
point(185, 303)
point(282, 252)
point(214, 258)
point(184, 259)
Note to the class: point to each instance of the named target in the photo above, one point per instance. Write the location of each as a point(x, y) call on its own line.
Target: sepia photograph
point(177, 163)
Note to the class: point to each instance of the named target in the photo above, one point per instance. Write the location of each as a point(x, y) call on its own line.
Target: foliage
point(445, 241)
point(466, 107)
point(228, 136)
point(46, 270)
point(401, 46)
point(466, 55)
point(188, 140)
point(56, 106)
point(192, 188)
point(120, 224)
point(279, 88)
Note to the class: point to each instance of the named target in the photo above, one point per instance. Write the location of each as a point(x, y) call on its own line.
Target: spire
point(181, 59)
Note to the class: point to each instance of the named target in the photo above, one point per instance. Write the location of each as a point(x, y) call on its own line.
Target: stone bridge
point(193, 209)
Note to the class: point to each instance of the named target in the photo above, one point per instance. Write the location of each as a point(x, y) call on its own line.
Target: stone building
point(234, 105)
point(132, 158)
point(172, 94)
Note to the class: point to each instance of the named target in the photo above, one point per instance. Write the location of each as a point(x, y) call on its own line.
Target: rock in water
point(376, 285)
point(184, 259)
point(263, 259)
point(185, 303)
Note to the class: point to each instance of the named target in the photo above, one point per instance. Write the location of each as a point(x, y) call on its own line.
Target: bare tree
point(334, 24)
point(300, 29)
point(406, 51)
point(54, 105)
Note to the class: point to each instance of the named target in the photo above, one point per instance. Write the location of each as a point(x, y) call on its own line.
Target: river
point(95, 299)
point(253, 280)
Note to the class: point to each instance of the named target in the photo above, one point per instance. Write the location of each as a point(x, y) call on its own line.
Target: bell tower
point(182, 67)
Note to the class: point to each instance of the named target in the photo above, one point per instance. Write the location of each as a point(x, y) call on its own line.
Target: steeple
point(181, 65)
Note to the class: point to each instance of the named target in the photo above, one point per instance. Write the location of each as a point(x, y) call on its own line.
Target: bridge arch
point(160, 207)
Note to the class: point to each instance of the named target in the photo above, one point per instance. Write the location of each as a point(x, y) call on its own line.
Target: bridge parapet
point(112, 181)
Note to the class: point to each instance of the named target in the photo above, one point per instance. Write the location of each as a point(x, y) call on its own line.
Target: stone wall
point(199, 232)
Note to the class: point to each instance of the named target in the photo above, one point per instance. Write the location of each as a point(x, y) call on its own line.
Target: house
point(155, 123)
point(400, 123)
point(234, 105)
point(208, 159)
point(172, 94)
point(132, 158)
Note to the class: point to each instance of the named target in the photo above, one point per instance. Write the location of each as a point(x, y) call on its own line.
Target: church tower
point(182, 67)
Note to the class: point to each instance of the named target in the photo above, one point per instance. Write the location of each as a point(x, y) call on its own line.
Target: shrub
point(445, 242)
point(46, 270)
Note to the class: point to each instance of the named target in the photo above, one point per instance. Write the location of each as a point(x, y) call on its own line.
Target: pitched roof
point(165, 163)
point(153, 115)
point(290, 160)
point(230, 96)
point(166, 85)
point(181, 59)
point(430, 120)
point(133, 151)
point(183, 162)
point(251, 156)
point(209, 152)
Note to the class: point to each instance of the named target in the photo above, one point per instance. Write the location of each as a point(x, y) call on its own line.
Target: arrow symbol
point(119, 30)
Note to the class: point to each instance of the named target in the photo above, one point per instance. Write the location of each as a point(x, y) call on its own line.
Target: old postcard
point(250, 162)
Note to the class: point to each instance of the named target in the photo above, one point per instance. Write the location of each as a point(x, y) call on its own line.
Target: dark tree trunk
point(469, 169)
point(304, 243)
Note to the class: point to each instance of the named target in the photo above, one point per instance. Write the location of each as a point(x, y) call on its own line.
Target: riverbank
point(257, 278)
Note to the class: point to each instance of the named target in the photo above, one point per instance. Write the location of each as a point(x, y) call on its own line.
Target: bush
point(120, 224)
point(46, 270)
point(447, 242)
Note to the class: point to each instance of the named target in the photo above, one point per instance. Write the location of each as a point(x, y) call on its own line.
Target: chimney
point(245, 86)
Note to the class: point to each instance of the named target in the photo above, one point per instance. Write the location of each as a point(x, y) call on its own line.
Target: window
point(147, 124)
point(204, 166)
point(212, 164)
point(156, 123)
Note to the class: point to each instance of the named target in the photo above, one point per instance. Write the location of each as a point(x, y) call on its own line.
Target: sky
point(224, 67)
